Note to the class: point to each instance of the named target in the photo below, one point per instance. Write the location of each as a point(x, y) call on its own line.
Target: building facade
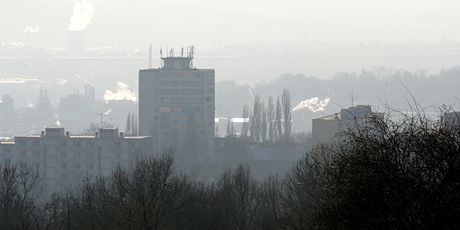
point(65, 160)
point(451, 119)
point(177, 105)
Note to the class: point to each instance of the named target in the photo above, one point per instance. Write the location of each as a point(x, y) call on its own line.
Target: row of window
point(91, 144)
point(181, 83)
point(65, 143)
point(167, 109)
point(180, 100)
point(76, 143)
point(76, 165)
point(169, 91)
point(25, 142)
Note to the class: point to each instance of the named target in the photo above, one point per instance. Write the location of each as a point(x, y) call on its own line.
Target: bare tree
point(271, 120)
point(230, 127)
point(287, 113)
point(239, 199)
point(255, 121)
point(132, 127)
point(278, 119)
point(263, 123)
point(19, 194)
point(245, 126)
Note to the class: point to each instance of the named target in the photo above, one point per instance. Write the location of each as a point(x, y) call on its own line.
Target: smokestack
point(150, 56)
point(76, 42)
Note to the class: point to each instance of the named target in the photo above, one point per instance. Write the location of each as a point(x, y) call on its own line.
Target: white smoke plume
point(313, 104)
point(83, 13)
point(123, 93)
point(31, 30)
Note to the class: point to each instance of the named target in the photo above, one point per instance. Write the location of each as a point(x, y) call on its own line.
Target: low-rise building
point(64, 160)
point(451, 119)
point(328, 129)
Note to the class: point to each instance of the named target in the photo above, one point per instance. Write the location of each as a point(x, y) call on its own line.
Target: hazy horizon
point(212, 24)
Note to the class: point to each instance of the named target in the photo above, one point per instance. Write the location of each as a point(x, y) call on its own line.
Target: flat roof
point(172, 70)
point(335, 116)
point(84, 137)
point(7, 143)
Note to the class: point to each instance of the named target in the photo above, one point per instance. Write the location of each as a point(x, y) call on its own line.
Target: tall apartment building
point(176, 105)
point(64, 160)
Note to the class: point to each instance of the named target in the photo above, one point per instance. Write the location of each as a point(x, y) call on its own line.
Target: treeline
point(267, 121)
point(389, 175)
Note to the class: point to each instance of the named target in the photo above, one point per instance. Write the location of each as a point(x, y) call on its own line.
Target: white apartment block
point(64, 160)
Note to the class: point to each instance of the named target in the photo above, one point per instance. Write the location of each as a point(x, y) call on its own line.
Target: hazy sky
point(212, 24)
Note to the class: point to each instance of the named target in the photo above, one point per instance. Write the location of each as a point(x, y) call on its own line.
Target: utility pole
point(102, 119)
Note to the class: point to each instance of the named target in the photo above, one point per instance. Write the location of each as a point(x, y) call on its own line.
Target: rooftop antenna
point(161, 51)
point(150, 56)
point(191, 51)
point(182, 52)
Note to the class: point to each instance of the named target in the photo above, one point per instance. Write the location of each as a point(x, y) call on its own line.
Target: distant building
point(176, 105)
point(77, 110)
point(225, 126)
point(451, 119)
point(327, 129)
point(64, 160)
point(7, 113)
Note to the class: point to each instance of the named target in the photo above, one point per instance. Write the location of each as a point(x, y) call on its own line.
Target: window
point(63, 154)
point(36, 154)
point(90, 154)
point(76, 154)
point(91, 166)
point(117, 144)
point(90, 143)
point(76, 144)
point(63, 165)
point(36, 142)
point(117, 154)
point(165, 109)
point(22, 142)
point(77, 165)
point(23, 154)
point(63, 143)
